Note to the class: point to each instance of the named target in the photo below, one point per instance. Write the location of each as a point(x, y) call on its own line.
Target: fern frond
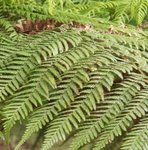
point(136, 108)
point(69, 80)
point(84, 103)
point(28, 61)
point(114, 103)
point(137, 137)
point(5, 24)
point(61, 98)
point(141, 10)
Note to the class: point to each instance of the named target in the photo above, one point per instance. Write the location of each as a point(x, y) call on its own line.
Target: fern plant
point(89, 85)
point(92, 86)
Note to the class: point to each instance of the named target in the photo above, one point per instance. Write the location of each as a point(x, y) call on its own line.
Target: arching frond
point(68, 81)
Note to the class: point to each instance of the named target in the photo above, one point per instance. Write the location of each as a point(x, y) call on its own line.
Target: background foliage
point(93, 12)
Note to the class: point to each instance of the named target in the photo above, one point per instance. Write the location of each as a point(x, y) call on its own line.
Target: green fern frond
point(28, 61)
point(67, 88)
point(84, 103)
point(114, 103)
point(137, 137)
point(69, 81)
point(136, 108)
point(85, 84)
point(141, 10)
point(4, 23)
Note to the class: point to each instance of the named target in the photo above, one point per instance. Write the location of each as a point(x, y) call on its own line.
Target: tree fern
point(87, 84)
point(91, 84)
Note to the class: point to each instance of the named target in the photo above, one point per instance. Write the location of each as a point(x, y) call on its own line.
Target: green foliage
point(91, 85)
point(67, 81)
